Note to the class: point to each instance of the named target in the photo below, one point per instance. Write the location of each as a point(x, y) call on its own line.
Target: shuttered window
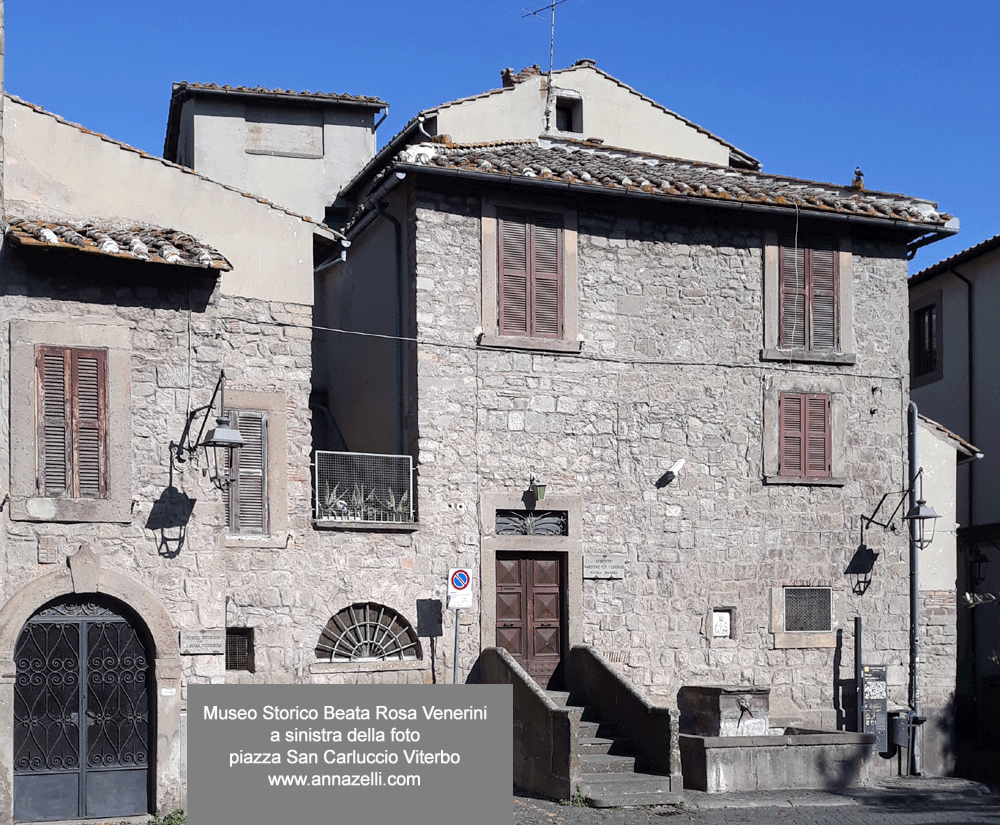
point(246, 506)
point(71, 418)
point(808, 277)
point(530, 293)
point(804, 435)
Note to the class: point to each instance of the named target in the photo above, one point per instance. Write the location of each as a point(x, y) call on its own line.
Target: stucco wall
point(58, 170)
point(233, 144)
point(610, 112)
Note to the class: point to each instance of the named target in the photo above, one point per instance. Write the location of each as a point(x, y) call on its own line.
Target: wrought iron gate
point(81, 659)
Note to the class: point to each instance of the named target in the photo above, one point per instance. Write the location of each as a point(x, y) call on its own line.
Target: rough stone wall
point(672, 321)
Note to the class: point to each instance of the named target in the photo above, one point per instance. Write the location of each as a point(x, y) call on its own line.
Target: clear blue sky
point(908, 91)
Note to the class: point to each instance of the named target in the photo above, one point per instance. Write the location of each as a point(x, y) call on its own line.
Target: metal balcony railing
point(363, 487)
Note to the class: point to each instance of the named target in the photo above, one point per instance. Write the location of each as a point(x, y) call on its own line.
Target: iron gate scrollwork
point(81, 713)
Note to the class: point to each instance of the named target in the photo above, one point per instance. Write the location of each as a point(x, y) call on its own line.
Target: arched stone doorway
point(88, 581)
point(84, 732)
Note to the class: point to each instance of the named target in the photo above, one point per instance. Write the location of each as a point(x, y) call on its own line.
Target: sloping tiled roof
point(137, 243)
point(959, 258)
point(184, 90)
point(367, 100)
point(581, 166)
point(177, 166)
point(966, 450)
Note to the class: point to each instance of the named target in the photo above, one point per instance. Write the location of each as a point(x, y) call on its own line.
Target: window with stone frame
point(804, 435)
point(808, 293)
point(72, 426)
point(247, 510)
point(529, 269)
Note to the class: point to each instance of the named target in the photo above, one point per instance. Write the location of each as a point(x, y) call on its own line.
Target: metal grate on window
point(808, 609)
point(368, 632)
point(365, 487)
point(239, 648)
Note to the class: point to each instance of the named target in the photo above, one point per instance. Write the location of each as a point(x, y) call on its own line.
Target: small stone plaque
point(211, 640)
point(604, 567)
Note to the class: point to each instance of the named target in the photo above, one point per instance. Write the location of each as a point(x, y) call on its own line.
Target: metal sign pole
point(458, 621)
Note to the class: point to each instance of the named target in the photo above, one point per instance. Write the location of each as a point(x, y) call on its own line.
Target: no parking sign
point(459, 589)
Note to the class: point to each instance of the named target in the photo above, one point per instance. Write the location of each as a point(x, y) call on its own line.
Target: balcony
point(362, 489)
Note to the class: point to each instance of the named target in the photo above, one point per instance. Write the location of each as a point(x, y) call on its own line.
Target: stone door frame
point(84, 574)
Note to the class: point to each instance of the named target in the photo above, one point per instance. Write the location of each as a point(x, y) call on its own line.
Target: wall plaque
point(604, 566)
point(210, 640)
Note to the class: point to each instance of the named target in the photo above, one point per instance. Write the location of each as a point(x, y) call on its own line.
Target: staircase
point(612, 769)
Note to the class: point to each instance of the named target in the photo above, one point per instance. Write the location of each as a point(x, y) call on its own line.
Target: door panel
point(530, 610)
point(81, 660)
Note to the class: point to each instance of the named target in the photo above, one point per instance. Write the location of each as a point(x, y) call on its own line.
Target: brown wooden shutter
point(804, 435)
point(794, 297)
point(547, 270)
point(72, 422)
point(514, 262)
point(808, 282)
point(817, 436)
point(823, 295)
point(247, 510)
point(54, 472)
point(790, 435)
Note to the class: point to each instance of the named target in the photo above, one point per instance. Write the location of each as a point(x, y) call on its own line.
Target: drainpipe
point(398, 231)
point(912, 459)
point(970, 343)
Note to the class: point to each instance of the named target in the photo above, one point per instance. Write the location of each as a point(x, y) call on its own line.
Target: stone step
point(614, 790)
point(598, 728)
point(606, 763)
point(605, 744)
point(560, 697)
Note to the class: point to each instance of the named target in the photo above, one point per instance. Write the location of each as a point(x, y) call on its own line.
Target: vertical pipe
point(858, 659)
point(454, 672)
point(912, 462)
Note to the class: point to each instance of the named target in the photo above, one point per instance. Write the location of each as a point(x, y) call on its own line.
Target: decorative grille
point(808, 609)
point(532, 523)
point(368, 487)
point(368, 632)
point(239, 648)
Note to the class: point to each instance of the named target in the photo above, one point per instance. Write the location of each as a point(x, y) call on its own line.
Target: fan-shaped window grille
point(367, 632)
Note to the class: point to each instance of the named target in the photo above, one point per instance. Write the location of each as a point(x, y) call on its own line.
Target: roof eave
point(958, 259)
point(914, 227)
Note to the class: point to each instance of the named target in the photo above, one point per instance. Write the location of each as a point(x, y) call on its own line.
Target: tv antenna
point(551, 7)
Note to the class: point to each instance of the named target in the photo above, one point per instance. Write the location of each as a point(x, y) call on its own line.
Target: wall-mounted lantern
point(920, 514)
point(221, 441)
point(536, 487)
point(978, 562)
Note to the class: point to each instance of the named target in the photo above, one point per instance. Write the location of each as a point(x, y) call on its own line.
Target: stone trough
point(727, 744)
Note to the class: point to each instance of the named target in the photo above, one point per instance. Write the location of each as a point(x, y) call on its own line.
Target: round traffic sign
point(460, 579)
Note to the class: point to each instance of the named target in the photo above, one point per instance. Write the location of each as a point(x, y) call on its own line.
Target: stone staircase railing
point(653, 729)
point(546, 736)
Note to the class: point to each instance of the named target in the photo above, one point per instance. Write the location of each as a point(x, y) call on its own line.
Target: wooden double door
point(531, 611)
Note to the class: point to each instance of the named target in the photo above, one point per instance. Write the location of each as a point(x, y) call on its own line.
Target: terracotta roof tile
point(131, 242)
point(601, 167)
point(261, 90)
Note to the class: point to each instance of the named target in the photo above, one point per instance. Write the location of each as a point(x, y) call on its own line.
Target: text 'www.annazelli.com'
point(345, 780)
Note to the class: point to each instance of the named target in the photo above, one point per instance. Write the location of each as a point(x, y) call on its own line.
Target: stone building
point(483, 315)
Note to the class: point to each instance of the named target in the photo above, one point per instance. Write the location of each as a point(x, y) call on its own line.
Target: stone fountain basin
point(783, 759)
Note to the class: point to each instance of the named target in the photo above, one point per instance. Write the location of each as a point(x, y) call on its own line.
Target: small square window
point(569, 114)
point(239, 649)
point(808, 609)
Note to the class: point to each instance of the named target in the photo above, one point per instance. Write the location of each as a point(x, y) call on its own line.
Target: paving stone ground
point(899, 802)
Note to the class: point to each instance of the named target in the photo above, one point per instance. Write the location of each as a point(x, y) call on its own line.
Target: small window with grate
point(808, 609)
point(532, 523)
point(367, 632)
point(239, 649)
